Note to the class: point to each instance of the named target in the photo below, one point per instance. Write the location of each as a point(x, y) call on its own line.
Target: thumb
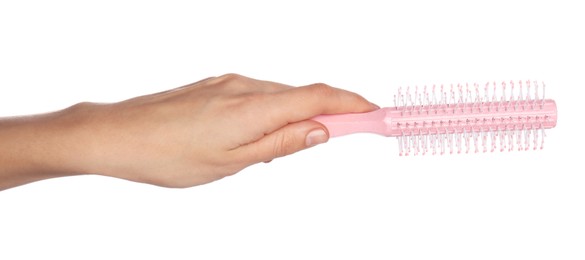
point(287, 140)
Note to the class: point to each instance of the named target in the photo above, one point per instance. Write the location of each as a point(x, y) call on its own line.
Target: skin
point(179, 138)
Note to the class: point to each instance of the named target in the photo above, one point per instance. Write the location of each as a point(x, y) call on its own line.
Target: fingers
point(309, 101)
point(287, 140)
point(303, 103)
point(277, 116)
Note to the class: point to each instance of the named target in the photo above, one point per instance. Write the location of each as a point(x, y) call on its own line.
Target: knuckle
point(283, 145)
point(322, 89)
point(230, 76)
point(232, 82)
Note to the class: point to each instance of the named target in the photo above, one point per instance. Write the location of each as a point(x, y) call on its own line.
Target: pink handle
point(344, 124)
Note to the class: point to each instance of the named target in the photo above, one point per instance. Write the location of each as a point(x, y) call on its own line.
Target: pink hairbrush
point(460, 119)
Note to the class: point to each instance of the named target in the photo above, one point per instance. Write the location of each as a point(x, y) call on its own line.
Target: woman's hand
point(197, 133)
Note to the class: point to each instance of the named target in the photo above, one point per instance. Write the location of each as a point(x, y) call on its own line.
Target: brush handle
point(344, 124)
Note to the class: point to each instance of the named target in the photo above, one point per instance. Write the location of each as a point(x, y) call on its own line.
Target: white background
point(351, 198)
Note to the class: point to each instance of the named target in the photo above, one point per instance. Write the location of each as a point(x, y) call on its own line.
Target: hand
point(203, 131)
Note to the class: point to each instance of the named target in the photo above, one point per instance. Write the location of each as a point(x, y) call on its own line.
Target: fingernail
point(315, 137)
point(377, 107)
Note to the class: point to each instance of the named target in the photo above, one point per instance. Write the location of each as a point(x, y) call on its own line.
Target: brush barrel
point(446, 119)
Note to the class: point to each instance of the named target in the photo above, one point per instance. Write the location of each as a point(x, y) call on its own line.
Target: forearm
point(39, 147)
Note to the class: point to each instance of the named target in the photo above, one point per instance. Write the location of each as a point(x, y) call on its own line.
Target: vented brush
point(458, 118)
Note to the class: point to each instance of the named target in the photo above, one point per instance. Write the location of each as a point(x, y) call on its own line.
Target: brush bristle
point(472, 118)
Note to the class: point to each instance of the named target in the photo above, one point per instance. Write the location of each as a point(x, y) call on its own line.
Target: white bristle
point(524, 139)
point(481, 134)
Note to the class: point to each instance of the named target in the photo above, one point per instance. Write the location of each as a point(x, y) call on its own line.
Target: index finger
point(303, 103)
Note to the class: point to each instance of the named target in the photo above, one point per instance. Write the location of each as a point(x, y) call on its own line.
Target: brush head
point(459, 118)
point(505, 116)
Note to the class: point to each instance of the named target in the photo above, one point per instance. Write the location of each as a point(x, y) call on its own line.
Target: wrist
point(44, 146)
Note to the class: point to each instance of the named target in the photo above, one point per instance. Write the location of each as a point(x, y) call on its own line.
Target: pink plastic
point(445, 119)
